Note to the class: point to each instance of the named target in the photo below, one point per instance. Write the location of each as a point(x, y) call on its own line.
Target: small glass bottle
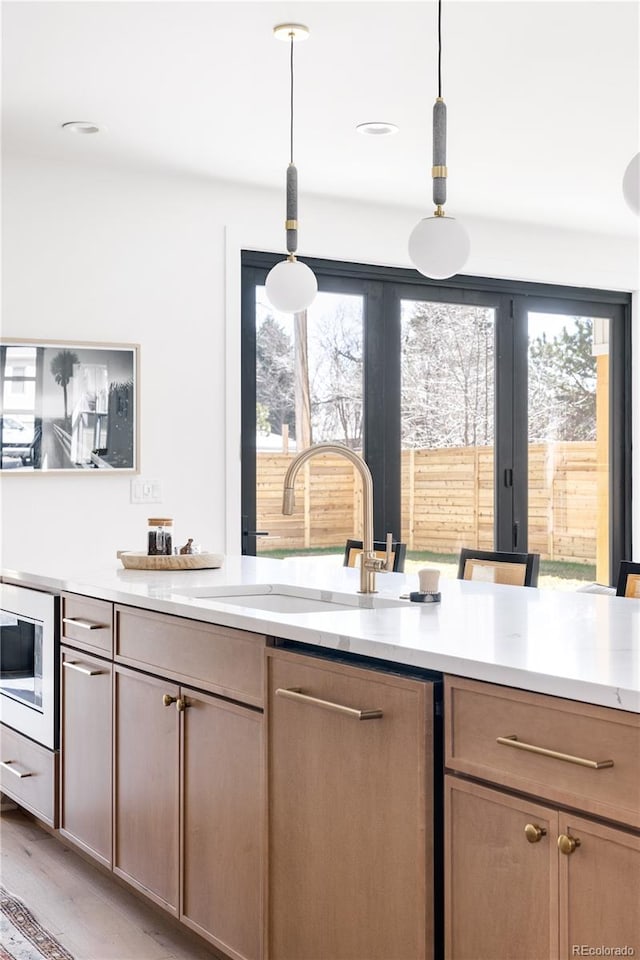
point(160, 537)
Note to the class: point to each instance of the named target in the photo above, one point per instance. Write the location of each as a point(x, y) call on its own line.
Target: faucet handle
point(389, 553)
point(372, 563)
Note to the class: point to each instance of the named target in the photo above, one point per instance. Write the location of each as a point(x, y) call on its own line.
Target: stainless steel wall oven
point(29, 663)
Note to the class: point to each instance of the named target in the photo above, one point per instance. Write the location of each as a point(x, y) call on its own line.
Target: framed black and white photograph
point(68, 406)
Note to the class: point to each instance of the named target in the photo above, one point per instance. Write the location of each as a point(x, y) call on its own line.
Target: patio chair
point(628, 580)
point(353, 549)
point(517, 569)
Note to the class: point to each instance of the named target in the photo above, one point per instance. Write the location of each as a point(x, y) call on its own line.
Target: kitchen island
point(581, 646)
point(283, 735)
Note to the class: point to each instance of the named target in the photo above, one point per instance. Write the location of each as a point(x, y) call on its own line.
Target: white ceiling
point(542, 95)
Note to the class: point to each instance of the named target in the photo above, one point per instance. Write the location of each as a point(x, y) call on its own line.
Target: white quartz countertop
point(577, 645)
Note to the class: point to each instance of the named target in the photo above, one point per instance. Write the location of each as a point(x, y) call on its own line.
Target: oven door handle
point(9, 765)
point(85, 624)
point(72, 665)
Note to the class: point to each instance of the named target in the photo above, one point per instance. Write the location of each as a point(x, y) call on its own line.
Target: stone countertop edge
point(579, 646)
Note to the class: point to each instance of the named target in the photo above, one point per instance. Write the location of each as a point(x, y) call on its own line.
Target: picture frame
point(68, 406)
point(628, 580)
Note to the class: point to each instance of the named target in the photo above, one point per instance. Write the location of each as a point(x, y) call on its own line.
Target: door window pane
point(308, 391)
point(568, 471)
point(447, 368)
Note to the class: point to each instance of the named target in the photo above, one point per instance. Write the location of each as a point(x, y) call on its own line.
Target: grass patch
point(568, 571)
point(561, 569)
point(302, 552)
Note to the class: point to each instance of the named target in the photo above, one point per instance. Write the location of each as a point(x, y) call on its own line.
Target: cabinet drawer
point(217, 659)
point(478, 714)
point(87, 623)
point(28, 774)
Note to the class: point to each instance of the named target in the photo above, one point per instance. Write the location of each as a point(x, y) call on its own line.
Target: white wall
point(98, 254)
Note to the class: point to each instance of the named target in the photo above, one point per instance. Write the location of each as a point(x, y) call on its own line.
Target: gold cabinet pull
point(84, 624)
point(534, 833)
point(10, 766)
point(513, 741)
point(168, 699)
point(567, 844)
point(72, 665)
point(181, 704)
point(295, 693)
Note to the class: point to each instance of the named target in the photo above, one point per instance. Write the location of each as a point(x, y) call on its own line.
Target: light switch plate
point(146, 491)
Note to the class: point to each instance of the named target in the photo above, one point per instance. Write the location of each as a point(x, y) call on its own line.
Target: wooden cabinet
point(575, 754)
point(499, 898)
point(189, 795)
point(86, 755)
point(599, 886)
point(146, 785)
point(163, 780)
point(524, 877)
point(350, 812)
point(189, 807)
point(222, 823)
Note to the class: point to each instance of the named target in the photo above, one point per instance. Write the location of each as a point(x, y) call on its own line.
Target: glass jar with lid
point(160, 537)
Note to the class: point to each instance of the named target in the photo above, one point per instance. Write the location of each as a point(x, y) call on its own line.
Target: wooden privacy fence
point(447, 500)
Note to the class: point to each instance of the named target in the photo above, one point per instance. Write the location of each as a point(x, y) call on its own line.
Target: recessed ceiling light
point(81, 126)
point(377, 128)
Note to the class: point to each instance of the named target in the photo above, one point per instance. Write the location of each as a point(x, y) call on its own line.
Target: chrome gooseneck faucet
point(369, 562)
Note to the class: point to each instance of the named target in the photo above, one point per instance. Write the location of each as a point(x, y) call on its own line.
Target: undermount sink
point(284, 603)
point(282, 598)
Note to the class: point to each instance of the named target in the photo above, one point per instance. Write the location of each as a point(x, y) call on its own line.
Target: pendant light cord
point(439, 49)
point(291, 104)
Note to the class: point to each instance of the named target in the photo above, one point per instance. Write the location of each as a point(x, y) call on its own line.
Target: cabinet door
point(350, 813)
point(222, 823)
point(500, 888)
point(599, 888)
point(146, 785)
point(86, 760)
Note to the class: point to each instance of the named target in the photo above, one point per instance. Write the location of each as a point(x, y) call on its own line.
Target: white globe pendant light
point(439, 245)
point(631, 184)
point(291, 285)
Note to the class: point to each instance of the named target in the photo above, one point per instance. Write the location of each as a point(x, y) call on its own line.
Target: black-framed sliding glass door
point(455, 440)
point(491, 413)
point(577, 429)
point(306, 379)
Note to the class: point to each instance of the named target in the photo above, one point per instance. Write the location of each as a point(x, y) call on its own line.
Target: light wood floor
point(88, 911)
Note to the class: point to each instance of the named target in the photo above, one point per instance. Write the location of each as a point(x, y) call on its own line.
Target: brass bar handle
point(9, 765)
point(72, 665)
point(167, 699)
point(513, 741)
point(295, 693)
point(85, 624)
point(567, 845)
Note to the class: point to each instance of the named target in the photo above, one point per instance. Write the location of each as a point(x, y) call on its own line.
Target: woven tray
point(182, 561)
